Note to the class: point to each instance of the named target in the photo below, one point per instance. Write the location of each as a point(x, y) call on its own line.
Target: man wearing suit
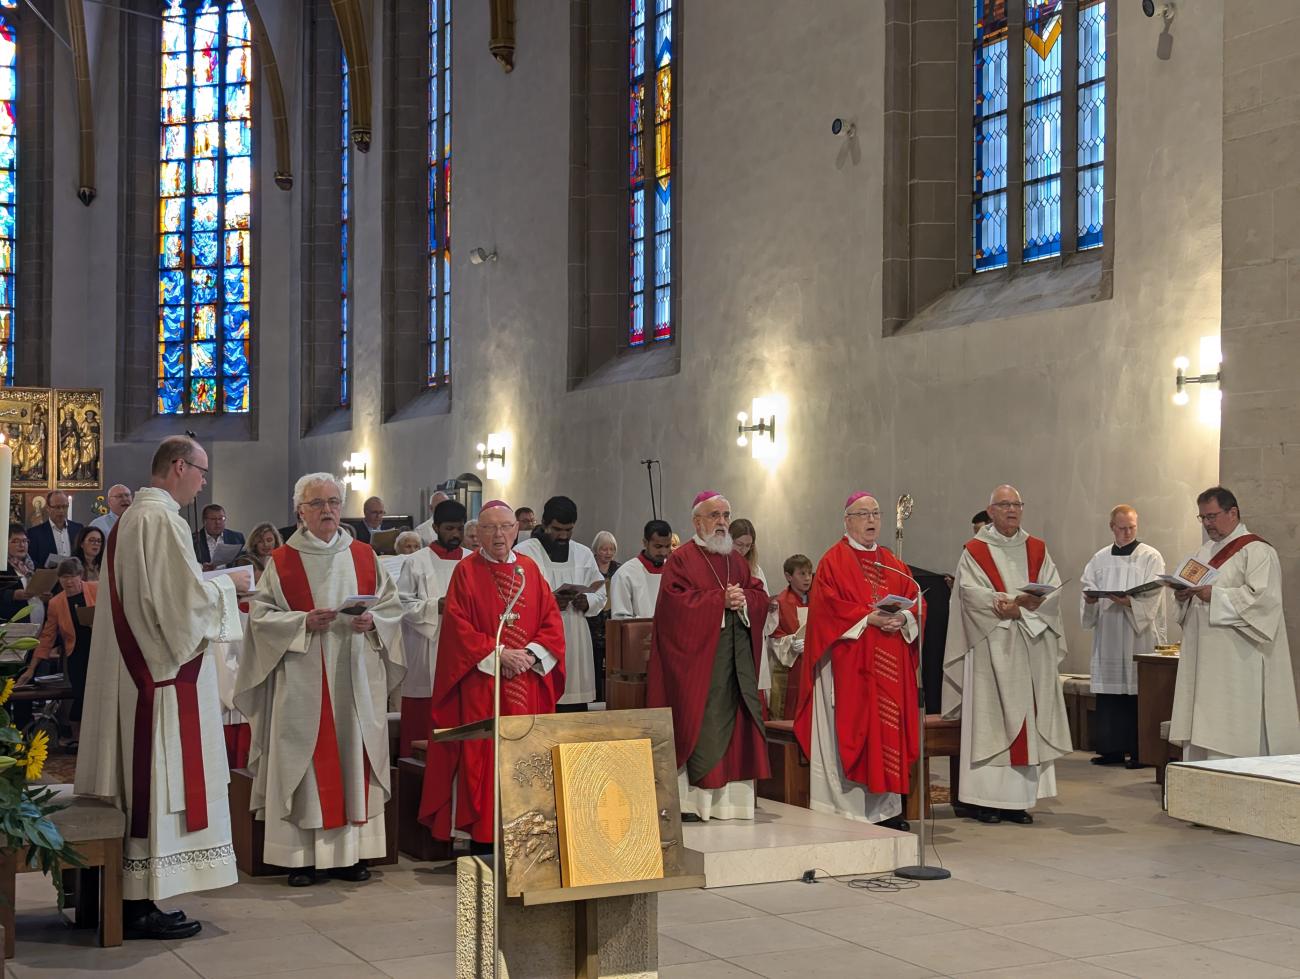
point(57, 536)
point(214, 532)
point(372, 515)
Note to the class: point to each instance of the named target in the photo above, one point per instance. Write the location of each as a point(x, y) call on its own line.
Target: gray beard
point(719, 545)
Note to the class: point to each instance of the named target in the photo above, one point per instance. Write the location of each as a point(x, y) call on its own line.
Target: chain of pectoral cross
point(726, 558)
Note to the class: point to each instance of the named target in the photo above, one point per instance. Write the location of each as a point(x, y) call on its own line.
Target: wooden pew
point(627, 657)
point(942, 740)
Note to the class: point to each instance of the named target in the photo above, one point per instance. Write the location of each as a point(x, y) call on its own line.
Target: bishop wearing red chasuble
point(857, 714)
point(314, 682)
point(457, 793)
point(704, 664)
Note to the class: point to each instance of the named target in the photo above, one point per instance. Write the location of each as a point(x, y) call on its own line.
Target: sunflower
point(36, 753)
point(8, 689)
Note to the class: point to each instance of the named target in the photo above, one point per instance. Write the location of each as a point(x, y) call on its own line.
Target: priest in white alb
point(151, 735)
point(564, 561)
point(1122, 625)
point(635, 586)
point(324, 651)
point(1001, 667)
point(1235, 696)
point(422, 585)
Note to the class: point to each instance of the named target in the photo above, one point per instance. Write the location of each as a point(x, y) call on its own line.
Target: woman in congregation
point(470, 540)
point(89, 551)
point(408, 542)
point(605, 547)
point(262, 540)
point(66, 630)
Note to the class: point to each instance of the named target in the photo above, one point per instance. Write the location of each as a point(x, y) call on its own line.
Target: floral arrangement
point(25, 805)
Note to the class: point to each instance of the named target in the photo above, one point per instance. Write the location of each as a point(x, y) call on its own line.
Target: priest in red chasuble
point(323, 653)
point(457, 793)
point(704, 663)
point(857, 714)
point(1001, 667)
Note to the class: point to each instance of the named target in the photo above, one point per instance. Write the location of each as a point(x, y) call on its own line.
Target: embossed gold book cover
point(606, 810)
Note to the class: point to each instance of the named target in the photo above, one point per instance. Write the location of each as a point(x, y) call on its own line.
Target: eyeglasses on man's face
point(333, 503)
point(1009, 505)
point(859, 514)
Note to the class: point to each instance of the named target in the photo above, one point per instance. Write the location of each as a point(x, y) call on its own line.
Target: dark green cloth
point(734, 681)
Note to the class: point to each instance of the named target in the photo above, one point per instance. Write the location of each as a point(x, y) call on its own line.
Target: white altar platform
point(1255, 796)
point(783, 841)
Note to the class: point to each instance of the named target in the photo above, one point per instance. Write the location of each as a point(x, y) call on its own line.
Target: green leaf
point(21, 614)
point(26, 642)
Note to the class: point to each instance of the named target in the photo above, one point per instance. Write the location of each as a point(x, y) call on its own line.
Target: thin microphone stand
point(497, 886)
point(919, 871)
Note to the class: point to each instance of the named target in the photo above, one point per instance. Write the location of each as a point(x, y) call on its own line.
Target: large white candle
point(6, 478)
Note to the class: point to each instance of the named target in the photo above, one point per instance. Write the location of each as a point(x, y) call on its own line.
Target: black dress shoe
point(158, 925)
point(895, 822)
point(988, 816)
point(356, 873)
point(176, 917)
point(1133, 764)
point(1016, 816)
point(302, 877)
point(690, 817)
point(963, 811)
point(1108, 758)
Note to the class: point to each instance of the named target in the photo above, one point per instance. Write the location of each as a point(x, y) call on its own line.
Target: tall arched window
point(8, 187)
point(345, 230)
point(650, 194)
point(439, 200)
point(205, 209)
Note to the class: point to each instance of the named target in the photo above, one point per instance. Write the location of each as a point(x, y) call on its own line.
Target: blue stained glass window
point(205, 209)
point(438, 356)
point(650, 169)
point(1092, 120)
point(1042, 129)
point(8, 186)
point(989, 192)
point(345, 116)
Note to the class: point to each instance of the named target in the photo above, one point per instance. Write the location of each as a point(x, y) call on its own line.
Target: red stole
point(1225, 555)
point(325, 757)
point(875, 674)
point(650, 566)
point(788, 605)
point(187, 703)
point(445, 554)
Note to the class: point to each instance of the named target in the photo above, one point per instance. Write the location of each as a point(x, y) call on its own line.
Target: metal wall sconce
point(492, 455)
point(1211, 379)
point(764, 427)
point(486, 455)
point(1181, 380)
point(356, 471)
point(759, 429)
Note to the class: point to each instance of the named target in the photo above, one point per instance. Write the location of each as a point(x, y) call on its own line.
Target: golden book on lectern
point(606, 812)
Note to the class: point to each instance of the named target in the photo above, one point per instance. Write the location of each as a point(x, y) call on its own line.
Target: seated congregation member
point(527, 521)
point(372, 519)
point(425, 529)
point(57, 537)
point(422, 585)
point(565, 561)
point(856, 720)
point(262, 541)
point(704, 664)
point(64, 631)
point(212, 533)
point(785, 645)
point(1235, 696)
point(470, 543)
point(119, 498)
point(1002, 668)
point(1123, 625)
point(314, 681)
point(14, 594)
point(605, 547)
point(89, 551)
point(457, 792)
point(408, 542)
point(635, 585)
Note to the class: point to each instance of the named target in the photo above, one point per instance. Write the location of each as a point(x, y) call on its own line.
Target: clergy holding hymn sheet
point(151, 739)
point(1001, 667)
point(457, 791)
point(324, 650)
point(1235, 696)
point(565, 561)
point(1123, 625)
point(635, 586)
point(704, 664)
point(856, 720)
point(423, 585)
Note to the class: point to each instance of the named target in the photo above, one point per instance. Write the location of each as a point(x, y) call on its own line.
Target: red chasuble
point(788, 604)
point(687, 625)
point(462, 693)
point(875, 674)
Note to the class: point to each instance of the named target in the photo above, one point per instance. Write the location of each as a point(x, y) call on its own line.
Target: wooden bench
point(789, 782)
point(942, 740)
point(95, 829)
point(627, 657)
point(413, 837)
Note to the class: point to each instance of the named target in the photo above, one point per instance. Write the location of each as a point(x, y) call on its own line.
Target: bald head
point(170, 450)
point(1006, 509)
point(119, 498)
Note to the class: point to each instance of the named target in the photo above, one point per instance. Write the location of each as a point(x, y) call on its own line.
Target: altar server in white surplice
point(1235, 696)
point(1122, 626)
point(423, 586)
point(564, 561)
point(150, 670)
point(1001, 668)
point(634, 589)
point(314, 682)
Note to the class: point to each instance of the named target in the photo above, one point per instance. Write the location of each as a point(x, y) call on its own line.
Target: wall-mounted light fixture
point(1210, 379)
point(492, 455)
point(478, 256)
point(356, 472)
point(766, 444)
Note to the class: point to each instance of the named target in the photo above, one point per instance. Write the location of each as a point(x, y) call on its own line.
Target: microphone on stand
point(507, 616)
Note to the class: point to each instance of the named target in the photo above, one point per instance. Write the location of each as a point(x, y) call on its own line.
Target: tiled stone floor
point(1103, 884)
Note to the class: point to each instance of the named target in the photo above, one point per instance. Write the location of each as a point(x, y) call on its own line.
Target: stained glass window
point(1092, 120)
point(8, 186)
point(439, 202)
point(650, 195)
point(205, 208)
point(345, 213)
point(1041, 102)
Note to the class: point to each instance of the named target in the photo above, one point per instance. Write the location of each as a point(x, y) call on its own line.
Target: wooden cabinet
point(1157, 676)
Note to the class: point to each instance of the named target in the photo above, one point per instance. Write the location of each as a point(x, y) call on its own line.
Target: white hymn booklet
point(224, 553)
point(893, 604)
point(242, 575)
point(1040, 590)
point(356, 604)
